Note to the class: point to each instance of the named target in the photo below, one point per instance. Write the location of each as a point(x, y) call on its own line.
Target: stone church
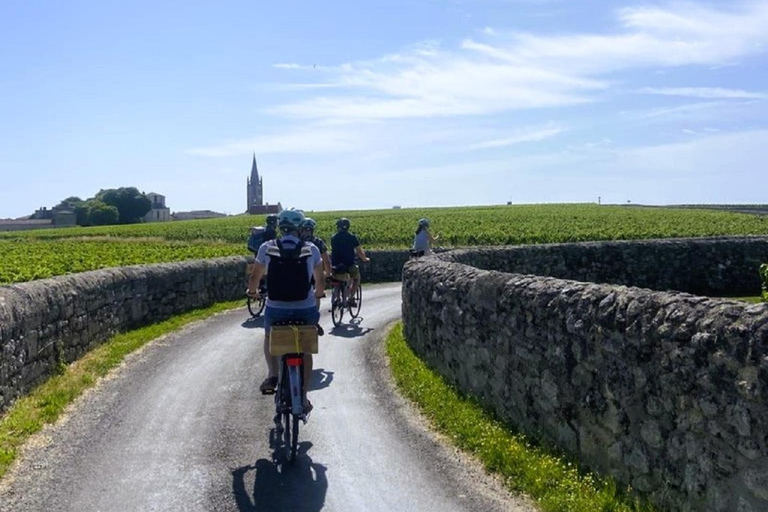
point(255, 192)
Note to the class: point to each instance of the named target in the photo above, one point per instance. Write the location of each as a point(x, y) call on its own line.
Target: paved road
point(179, 427)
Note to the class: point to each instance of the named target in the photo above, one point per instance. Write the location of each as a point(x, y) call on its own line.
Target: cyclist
point(291, 264)
point(270, 232)
point(344, 247)
point(308, 234)
point(422, 242)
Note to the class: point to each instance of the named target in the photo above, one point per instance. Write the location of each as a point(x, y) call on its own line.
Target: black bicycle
point(291, 340)
point(341, 282)
point(256, 304)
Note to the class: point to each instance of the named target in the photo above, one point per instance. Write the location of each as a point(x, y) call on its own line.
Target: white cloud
point(520, 137)
point(526, 71)
point(704, 92)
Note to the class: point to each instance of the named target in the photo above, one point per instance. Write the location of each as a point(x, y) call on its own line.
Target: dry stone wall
point(666, 391)
point(52, 321)
point(703, 266)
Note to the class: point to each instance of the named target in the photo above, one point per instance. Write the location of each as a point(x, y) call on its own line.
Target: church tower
point(255, 188)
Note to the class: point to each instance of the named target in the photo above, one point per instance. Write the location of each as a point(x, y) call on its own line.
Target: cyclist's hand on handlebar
point(251, 294)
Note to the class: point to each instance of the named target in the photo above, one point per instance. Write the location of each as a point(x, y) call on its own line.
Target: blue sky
point(353, 104)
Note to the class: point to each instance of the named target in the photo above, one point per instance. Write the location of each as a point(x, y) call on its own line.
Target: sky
point(358, 105)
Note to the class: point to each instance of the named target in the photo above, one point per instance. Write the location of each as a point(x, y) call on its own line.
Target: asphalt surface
point(182, 426)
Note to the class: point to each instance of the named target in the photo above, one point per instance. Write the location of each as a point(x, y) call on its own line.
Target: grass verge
point(45, 403)
point(555, 483)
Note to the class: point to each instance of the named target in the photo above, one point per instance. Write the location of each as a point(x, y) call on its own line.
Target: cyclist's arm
point(257, 272)
point(317, 271)
point(326, 263)
point(361, 254)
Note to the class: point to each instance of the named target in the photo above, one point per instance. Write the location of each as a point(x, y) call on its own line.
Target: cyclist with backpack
point(270, 232)
point(344, 248)
point(290, 264)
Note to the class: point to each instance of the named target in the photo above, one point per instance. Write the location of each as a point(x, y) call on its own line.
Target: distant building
point(197, 215)
point(43, 218)
point(159, 212)
point(255, 194)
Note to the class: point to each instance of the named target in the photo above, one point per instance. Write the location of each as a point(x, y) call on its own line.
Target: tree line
point(125, 205)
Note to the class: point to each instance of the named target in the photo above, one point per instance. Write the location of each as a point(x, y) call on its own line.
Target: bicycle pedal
point(268, 392)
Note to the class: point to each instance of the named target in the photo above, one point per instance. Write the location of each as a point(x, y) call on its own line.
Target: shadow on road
point(321, 378)
point(279, 485)
point(351, 330)
point(253, 322)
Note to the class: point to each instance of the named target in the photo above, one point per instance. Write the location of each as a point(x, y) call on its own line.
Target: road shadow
point(253, 322)
point(280, 485)
point(321, 379)
point(350, 330)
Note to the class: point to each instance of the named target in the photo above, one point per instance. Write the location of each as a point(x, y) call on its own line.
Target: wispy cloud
point(516, 71)
point(704, 92)
point(520, 137)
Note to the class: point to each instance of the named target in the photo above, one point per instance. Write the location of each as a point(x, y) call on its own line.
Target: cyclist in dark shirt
point(344, 248)
point(270, 233)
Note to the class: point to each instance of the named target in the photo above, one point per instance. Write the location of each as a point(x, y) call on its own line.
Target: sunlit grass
point(553, 481)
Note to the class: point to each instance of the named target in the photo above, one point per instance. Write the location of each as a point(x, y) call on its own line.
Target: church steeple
point(254, 170)
point(255, 188)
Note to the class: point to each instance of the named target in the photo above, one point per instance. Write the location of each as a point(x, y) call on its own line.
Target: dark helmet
point(342, 224)
point(272, 220)
point(309, 224)
point(424, 223)
point(290, 220)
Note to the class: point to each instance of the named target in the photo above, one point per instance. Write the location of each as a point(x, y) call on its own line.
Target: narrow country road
point(181, 426)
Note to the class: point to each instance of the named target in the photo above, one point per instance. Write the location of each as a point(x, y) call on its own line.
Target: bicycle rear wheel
point(256, 306)
point(295, 437)
point(355, 311)
point(337, 306)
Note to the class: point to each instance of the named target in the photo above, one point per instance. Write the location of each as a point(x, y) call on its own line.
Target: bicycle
point(256, 304)
point(341, 283)
point(291, 339)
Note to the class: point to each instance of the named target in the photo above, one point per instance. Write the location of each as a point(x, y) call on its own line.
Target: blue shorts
point(310, 315)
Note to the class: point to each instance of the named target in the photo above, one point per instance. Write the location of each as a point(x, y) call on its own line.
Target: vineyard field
point(494, 225)
point(44, 253)
point(26, 260)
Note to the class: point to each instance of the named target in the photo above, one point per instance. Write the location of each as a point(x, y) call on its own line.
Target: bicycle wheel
point(256, 306)
point(355, 311)
point(295, 437)
point(337, 306)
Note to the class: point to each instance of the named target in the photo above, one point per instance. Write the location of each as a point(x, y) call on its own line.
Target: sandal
point(268, 386)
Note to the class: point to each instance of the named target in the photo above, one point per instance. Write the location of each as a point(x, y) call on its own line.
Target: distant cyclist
point(344, 247)
point(291, 264)
point(270, 232)
point(422, 242)
point(308, 234)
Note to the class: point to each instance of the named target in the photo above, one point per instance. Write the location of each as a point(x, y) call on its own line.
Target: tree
point(101, 214)
point(71, 203)
point(131, 204)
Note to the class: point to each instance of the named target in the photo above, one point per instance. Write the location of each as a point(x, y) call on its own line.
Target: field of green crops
point(26, 260)
point(42, 253)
